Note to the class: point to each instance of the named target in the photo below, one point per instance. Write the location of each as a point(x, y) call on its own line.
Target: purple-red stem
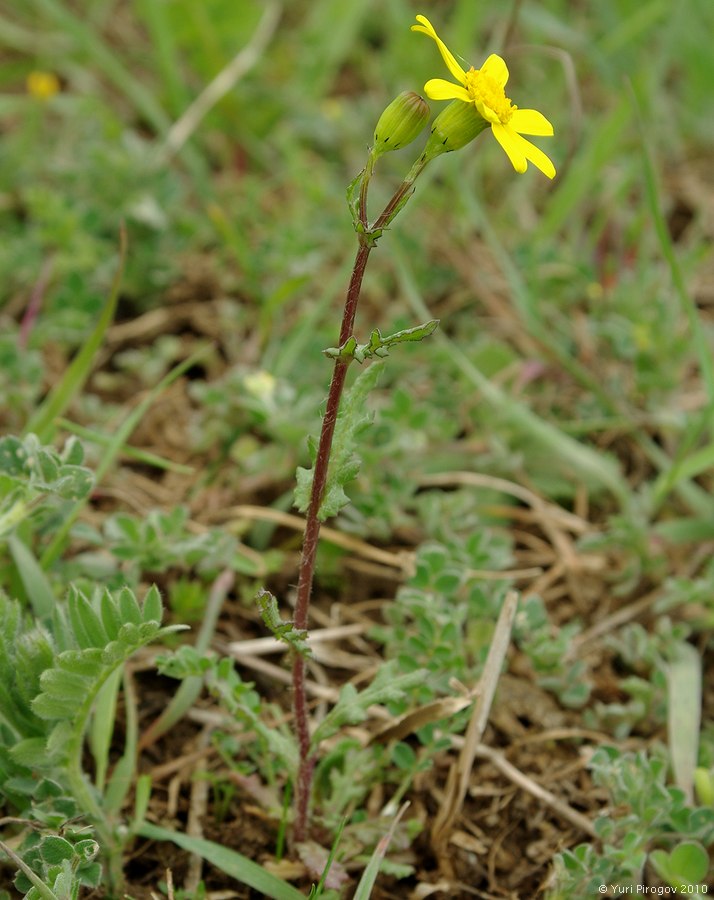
point(309, 546)
point(320, 469)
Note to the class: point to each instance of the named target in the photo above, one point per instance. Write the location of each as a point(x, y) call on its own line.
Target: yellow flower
point(484, 88)
point(42, 85)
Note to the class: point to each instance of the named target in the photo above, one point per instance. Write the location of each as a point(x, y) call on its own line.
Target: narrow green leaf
point(87, 624)
point(120, 437)
point(152, 609)
point(282, 630)
point(76, 374)
point(192, 686)
point(689, 466)
point(110, 615)
point(36, 584)
point(129, 610)
point(684, 705)
point(101, 728)
point(142, 795)
point(42, 890)
point(369, 876)
point(143, 456)
point(119, 784)
point(233, 864)
point(124, 772)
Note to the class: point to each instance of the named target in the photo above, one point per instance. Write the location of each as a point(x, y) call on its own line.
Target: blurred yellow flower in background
point(42, 85)
point(484, 89)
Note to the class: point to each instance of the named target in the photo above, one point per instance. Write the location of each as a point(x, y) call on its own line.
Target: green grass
point(573, 359)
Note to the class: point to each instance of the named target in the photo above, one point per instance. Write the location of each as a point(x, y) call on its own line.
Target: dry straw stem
point(632, 611)
point(266, 645)
point(242, 62)
point(460, 772)
point(536, 790)
point(198, 807)
point(402, 561)
point(557, 524)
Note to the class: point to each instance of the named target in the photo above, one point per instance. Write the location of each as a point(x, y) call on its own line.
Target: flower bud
point(400, 123)
point(453, 128)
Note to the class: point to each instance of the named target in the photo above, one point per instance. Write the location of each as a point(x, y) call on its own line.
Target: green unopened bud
point(453, 128)
point(400, 123)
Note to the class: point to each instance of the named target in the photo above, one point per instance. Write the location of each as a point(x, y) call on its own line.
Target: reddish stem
point(320, 470)
point(309, 546)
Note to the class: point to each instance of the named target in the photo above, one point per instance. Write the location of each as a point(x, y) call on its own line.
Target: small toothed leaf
point(282, 630)
point(344, 463)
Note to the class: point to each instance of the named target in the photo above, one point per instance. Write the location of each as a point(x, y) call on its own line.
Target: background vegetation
point(556, 435)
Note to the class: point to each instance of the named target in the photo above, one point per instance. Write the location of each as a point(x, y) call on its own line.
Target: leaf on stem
point(281, 629)
point(379, 345)
point(344, 462)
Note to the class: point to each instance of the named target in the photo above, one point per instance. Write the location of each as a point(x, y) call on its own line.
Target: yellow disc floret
point(489, 97)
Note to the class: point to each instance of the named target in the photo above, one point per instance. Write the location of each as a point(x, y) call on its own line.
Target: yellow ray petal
point(439, 89)
point(511, 143)
point(490, 115)
point(427, 28)
point(519, 150)
point(530, 121)
point(538, 158)
point(495, 67)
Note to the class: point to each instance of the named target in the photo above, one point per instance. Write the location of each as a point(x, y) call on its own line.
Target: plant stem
point(309, 546)
point(322, 461)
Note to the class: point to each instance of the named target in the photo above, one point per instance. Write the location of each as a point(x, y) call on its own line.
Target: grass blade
point(369, 876)
point(118, 441)
point(59, 398)
point(41, 888)
point(37, 587)
point(684, 704)
point(229, 861)
point(143, 456)
point(593, 467)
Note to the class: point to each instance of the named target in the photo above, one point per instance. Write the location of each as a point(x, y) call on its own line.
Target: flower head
point(484, 89)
